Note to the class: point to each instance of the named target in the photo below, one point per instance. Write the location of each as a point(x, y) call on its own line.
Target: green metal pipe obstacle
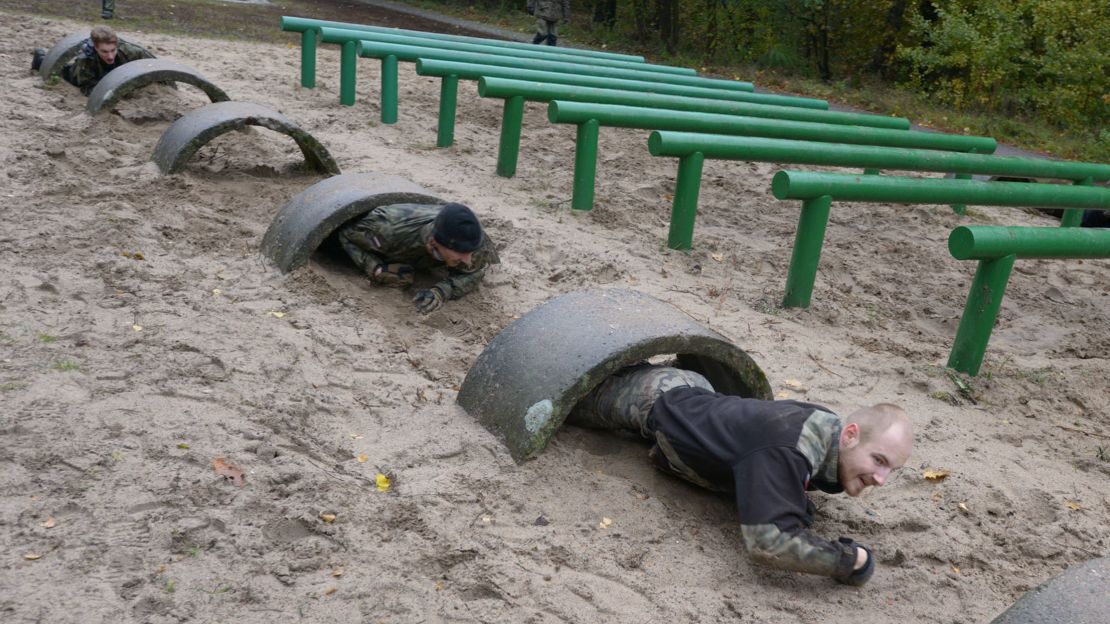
point(585, 168)
point(685, 145)
point(470, 71)
point(508, 89)
point(542, 53)
point(412, 53)
point(996, 249)
point(818, 190)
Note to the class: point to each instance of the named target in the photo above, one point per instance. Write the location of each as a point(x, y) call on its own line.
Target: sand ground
point(139, 341)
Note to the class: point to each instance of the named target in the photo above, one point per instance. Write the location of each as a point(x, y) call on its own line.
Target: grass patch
point(12, 386)
point(66, 365)
point(47, 338)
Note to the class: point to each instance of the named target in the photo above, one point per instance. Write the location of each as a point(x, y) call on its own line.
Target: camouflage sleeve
point(133, 52)
point(359, 242)
point(775, 513)
point(461, 281)
point(81, 73)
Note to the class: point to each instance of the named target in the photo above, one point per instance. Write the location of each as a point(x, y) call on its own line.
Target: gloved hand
point(858, 577)
point(429, 300)
point(394, 274)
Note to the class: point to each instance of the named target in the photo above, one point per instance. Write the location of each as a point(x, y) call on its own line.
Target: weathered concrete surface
point(531, 375)
point(196, 128)
point(138, 74)
point(62, 53)
point(308, 219)
point(1080, 595)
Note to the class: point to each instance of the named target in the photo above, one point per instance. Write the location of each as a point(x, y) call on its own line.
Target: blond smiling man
point(768, 453)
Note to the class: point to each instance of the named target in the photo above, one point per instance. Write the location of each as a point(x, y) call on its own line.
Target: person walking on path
point(549, 14)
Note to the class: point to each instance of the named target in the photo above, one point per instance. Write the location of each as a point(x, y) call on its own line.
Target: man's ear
point(849, 436)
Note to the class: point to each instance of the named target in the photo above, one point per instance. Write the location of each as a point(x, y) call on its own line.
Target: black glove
point(429, 300)
point(394, 274)
point(858, 577)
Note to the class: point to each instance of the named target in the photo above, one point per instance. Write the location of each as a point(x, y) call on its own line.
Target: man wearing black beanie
point(391, 242)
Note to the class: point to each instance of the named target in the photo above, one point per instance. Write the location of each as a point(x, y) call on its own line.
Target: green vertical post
point(509, 150)
point(448, 103)
point(389, 89)
point(807, 251)
point(684, 209)
point(585, 165)
point(1073, 217)
point(309, 39)
point(961, 209)
point(348, 59)
point(980, 313)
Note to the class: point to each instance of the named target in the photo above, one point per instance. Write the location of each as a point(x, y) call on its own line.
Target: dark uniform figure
point(549, 14)
point(391, 242)
point(768, 453)
point(102, 52)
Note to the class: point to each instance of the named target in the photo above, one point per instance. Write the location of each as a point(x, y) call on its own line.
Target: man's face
point(864, 464)
point(107, 52)
point(450, 257)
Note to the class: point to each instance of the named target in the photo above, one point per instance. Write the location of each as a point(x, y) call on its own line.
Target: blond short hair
point(103, 34)
point(879, 418)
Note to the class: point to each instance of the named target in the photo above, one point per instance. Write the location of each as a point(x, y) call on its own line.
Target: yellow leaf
point(935, 475)
point(362, 459)
point(792, 383)
point(32, 556)
point(782, 394)
point(276, 314)
point(383, 482)
point(327, 517)
point(338, 572)
point(1073, 505)
point(963, 507)
point(955, 569)
point(717, 257)
point(216, 292)
point(183, 446)
point(49, 523)
point(329, 591)
point(487, 519)
point(605, 523)
point(439, 585)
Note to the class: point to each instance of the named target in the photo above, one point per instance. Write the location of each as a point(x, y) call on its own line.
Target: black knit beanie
point(457, 228)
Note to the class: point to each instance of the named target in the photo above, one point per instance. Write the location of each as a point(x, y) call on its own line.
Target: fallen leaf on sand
point(327, 517)
point(32, 556)
point(605, 523)
point(963, 507)
point(362, 459)
point(338, 572)
point(229, 470)
point(383, 482)
point(955, 569)
point(183, 446)
point(792, 383)
point(935, 475)
point(137, 327)
point(717, 257)
point(216, 292)
point(329, 591)
point(1073, 505)
point(276, 314)
point(782, 394)
point(49, 523)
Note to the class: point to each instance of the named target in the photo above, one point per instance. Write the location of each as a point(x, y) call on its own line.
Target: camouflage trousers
point(624, 401)
point(108, 6)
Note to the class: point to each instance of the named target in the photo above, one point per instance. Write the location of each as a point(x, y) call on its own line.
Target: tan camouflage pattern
point(550, 10)
point(399, 233)
point(624, 400)
point(87, 70)
point(820, 443)
point(801, 552)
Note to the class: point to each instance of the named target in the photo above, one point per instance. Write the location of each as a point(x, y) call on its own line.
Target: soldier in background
point(107, 9)
point(102, 52)
point(391, 242)
point(549, 14)
point(766, 453)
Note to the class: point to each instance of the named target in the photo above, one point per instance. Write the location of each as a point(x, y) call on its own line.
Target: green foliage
point(1044, 57)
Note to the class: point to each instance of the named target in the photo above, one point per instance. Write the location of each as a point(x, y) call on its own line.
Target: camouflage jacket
point(87, 69)
point(400, 233)
point(550, 10)
point(769, 453)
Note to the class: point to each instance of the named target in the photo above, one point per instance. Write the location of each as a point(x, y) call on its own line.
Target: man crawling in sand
point(768, 453)
point(391, 242)
point(102, 52)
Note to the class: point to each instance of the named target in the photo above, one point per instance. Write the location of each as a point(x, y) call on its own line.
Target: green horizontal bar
point(541, 53)
point(545, 92)
point(301, 24)
point(678, 144)
point(978, 242)
point(901, 190)
point(613, 115)
point(469, 71)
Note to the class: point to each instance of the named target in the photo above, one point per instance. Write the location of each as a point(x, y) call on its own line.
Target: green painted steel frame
point(808, 186)
point(657, 119)
point(996, 249)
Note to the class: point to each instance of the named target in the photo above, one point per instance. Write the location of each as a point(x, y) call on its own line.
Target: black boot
point(551, 40)
point(36, 59)
point(538, 38)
